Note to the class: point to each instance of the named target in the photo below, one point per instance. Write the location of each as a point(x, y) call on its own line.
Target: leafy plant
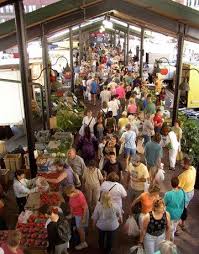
point(68, 120)
point(190, 138)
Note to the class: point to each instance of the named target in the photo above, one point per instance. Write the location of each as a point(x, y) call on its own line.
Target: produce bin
point(2, 147)
point(13, 161)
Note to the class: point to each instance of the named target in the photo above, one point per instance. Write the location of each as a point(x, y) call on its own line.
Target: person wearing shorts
point(129, 138)
point(79, 210)
point(94, 88)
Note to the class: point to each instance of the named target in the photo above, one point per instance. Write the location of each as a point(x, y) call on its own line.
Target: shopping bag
point(53, 122)
point(131, 227)
point(146, 186)
point(81, 131)
point(137, 249)
point(101, 163)
point(160, 176)
point(24, 216)
point(121, 148)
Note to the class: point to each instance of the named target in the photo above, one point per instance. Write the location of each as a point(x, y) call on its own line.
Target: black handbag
point(184, 213)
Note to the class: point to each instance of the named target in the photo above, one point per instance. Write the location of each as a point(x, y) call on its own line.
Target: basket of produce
point(42, 136)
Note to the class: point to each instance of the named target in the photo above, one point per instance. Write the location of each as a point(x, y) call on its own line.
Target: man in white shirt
point(105, 95)
point(113, 105)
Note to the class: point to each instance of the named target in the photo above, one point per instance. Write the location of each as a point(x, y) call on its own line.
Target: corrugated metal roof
point(158, 15)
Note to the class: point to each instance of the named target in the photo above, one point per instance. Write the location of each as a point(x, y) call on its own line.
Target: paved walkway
point(187, 242)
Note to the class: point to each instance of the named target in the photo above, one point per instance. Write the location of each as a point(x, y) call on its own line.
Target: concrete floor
point(187, 242)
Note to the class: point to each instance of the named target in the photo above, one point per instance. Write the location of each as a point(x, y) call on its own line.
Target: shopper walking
point(76, 162)
point(187, 181)
point(145, 201)
point(156, 227)
point(113, 165)
point(148, 128)
point(106, 218)
point(153, 153)
point(129, 139)
point(173, 146)
point(175, 200)
point(158, 121)
point(115, 189)
point(58, 243)
point(87, 145)
point(105, 95)
point(178, 131)
point(150, 107)
point(79, 210)
point(88, 121)
point(92, 179)
point(137, 178)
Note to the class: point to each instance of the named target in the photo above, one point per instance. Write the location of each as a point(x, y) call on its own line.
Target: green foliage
point(190, 138)
point(68, 120)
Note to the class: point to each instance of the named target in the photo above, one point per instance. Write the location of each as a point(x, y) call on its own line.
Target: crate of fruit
point(34, 233)
point(51, 198)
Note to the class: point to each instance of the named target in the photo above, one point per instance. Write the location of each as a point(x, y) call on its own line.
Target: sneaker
point(81, 246)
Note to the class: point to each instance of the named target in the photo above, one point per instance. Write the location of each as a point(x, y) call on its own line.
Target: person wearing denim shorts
point(129, 138)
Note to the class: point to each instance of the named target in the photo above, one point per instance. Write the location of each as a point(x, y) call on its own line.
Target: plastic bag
point(160, 176)
point(137, 249)
point(42, 184)
point(24, 216)
point(131, 227)
point(146, 186)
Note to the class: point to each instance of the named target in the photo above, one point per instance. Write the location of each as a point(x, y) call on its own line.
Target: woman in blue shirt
point(175, 201)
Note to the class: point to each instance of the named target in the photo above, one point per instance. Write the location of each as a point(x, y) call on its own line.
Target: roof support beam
point(128, 11)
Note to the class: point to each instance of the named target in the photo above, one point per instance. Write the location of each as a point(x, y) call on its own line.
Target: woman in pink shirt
point(79, 210)
point(121, 94)
point(132, 107)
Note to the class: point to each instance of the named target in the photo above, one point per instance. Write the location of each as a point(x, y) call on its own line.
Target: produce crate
point(2, 147)
point(13, 161)
point(34, 232)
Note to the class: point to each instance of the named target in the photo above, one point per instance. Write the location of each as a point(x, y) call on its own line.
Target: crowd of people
point(115, 168)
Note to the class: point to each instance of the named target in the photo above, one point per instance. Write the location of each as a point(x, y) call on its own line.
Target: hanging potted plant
point(67, 73)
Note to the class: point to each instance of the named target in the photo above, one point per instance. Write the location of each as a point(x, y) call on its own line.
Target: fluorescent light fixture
point(107, 24)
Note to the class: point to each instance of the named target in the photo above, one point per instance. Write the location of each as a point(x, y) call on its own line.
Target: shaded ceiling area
point(163, 16)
